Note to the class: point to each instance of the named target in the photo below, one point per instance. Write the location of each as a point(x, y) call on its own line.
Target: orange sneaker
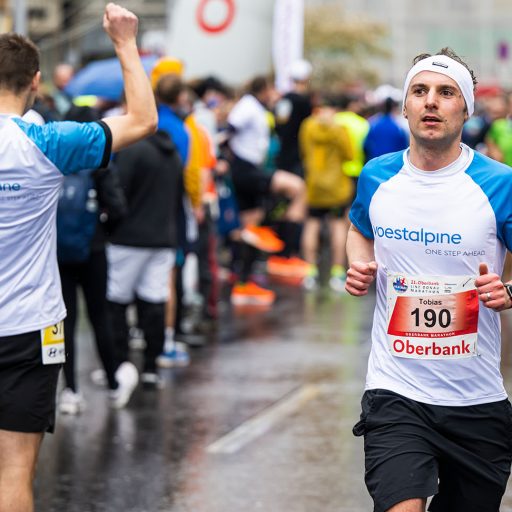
point(287, 267)
point(250, 294)
point(263, 238)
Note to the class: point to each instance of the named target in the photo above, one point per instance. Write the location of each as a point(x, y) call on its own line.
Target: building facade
point(70, 30)
point(477, 30)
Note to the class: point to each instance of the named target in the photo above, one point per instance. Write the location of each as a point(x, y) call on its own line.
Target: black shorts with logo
point(459, 455)
point(27, 387)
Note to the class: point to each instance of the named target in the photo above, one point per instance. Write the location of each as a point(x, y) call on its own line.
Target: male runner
point(431, 225)
point(32, 163)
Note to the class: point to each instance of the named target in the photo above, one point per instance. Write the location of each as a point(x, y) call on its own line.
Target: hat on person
point(300, 70)
point(451, 68)
point(166, 66)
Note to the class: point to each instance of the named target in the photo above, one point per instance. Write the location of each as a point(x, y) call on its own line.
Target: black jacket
point(111, 202)
point(288, 130)
point(149, 172)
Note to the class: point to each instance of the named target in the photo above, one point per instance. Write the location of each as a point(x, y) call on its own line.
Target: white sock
point(169, 339)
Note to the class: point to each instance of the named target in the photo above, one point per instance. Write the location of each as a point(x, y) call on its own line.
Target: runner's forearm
point(141, 117)
point(140, 101)
point(359, 248)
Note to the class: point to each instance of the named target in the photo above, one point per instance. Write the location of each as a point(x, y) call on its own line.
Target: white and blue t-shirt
point(437, 223)
point(33, 161)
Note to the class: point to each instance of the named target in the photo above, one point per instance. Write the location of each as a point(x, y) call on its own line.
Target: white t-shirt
point(252, 137)
point(32, 164)
point(440, 223)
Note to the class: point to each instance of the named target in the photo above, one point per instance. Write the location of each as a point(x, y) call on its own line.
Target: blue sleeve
point(71, 146)
point(374, 173)
point(495, 179)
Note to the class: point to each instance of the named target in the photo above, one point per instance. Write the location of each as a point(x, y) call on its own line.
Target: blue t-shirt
point(385, 136)
point(173, 125)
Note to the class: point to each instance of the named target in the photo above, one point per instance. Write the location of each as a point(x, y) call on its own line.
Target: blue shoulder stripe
point(374, 174)
point(71, 146)
point(495, 180)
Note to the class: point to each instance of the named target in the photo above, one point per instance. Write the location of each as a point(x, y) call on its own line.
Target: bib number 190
point(431, 317)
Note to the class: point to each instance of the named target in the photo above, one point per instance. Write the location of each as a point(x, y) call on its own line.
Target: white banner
point(288, 39)
point(231, 39)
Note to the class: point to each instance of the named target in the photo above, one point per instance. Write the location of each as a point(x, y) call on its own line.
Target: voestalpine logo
point(9, 187)
point(420, 235)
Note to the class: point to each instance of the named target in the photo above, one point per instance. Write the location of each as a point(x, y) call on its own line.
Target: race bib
point(52, 344)
point(432, 317)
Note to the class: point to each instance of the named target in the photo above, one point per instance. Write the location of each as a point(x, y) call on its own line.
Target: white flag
point(288, 39)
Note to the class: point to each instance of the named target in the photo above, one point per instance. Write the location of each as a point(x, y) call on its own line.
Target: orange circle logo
point(214, 27)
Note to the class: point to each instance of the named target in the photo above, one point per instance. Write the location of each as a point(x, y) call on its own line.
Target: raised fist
point(120, 24)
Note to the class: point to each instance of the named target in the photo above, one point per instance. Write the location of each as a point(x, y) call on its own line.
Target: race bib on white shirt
point(432, 317)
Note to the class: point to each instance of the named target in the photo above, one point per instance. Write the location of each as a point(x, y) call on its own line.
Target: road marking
point(263, 422)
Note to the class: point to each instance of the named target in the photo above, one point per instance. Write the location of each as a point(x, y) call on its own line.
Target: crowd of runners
point(151, 204)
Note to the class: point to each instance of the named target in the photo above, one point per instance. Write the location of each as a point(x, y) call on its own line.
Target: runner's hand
point(120, 24)
point(490, 290)
point(360, 276)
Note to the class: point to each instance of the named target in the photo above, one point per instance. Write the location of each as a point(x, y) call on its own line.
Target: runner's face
point(435, 109)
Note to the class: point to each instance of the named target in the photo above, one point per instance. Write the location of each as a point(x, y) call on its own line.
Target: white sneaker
point(127, 378)
point(70, 402)
point(152, 380)
point(99, 377)
point(177, 355)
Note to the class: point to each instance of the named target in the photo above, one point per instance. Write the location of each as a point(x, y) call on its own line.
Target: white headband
point(449, 67)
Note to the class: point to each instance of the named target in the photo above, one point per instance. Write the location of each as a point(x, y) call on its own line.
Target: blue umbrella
point(103, 78)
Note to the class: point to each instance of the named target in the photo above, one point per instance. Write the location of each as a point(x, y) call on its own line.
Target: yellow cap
point(166, 66)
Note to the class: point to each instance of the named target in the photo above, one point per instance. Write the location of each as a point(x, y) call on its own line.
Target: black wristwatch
point(508, 287)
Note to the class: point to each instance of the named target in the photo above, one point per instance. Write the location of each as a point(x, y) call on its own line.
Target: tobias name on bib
point(432, 317)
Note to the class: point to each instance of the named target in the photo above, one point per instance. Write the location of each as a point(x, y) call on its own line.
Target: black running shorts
point(334, 212)
point(27, 387)
point(459, 455)
point(251, 184)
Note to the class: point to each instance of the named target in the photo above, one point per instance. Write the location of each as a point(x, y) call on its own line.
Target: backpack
point(77, 217)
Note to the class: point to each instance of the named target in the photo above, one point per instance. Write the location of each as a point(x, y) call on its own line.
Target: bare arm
point(141, 117)
point(362, 266)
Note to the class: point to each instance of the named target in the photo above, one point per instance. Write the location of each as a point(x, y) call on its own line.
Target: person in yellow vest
point(357, 127)
point(325, 148)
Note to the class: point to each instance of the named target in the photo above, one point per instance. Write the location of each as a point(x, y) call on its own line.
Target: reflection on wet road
point(260, 420)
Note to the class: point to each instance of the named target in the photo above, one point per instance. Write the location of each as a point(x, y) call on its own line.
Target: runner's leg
point(18, 457)
point(414, 505)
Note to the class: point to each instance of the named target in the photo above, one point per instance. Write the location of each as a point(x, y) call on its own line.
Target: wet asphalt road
point(260, 421)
